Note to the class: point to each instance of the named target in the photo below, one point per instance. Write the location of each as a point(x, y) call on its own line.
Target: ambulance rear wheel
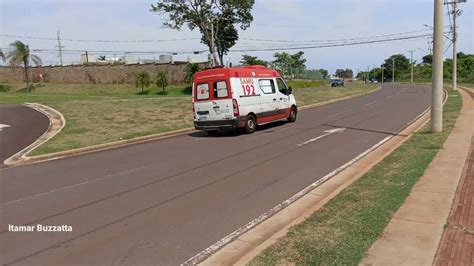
point(250, 124)
point(292, 117)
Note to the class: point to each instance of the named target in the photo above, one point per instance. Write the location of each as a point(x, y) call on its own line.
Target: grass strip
point(343, 230)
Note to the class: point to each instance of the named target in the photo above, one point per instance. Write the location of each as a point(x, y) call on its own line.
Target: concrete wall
point(95, 74)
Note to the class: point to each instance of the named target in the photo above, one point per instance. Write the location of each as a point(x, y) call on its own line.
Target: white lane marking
point(369, 103)
point(234, 235)
point(327, 133)
point(348, 110)
point(72, 186)
point(2, 126)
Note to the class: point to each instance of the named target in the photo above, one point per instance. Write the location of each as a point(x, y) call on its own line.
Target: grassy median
point(101, 113)
point(343, 230)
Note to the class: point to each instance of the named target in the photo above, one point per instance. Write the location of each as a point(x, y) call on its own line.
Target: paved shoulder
point(19, 127)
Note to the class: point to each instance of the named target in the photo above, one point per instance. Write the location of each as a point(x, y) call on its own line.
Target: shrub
point(162, 80)
point(4, 88)
point(191, 69)
point(142, 79)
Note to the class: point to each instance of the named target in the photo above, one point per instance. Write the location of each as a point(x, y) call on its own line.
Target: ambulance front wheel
point(293, 112)
point(250, 124)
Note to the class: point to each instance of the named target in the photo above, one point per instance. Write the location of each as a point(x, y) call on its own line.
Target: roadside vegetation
point(342, 231)
point(101, 113)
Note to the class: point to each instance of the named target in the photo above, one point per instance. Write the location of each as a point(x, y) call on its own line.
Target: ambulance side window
point(220, 89)
point(281, 86)
point(202, 91)
point(267, 86)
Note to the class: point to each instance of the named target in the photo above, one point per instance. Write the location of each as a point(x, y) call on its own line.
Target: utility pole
point(213, 57)
point(60, 50)
point(393, 68)
point(455, 57)
point(87, 57)
point(411, 63)
point(437, 76)
point(382, 72)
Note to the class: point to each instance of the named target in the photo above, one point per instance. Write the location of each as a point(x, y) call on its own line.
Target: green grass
point(324, 93)
point(343, 230)
point(298, 84)
point(101, 113)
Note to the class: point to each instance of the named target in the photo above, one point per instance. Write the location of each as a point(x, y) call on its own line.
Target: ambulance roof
point(242, 72)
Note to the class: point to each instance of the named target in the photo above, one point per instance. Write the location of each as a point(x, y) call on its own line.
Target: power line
point(185, 39)
point(100, 41)
point(333, 45)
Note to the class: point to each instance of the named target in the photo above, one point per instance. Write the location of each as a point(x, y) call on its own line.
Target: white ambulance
point(243, 97)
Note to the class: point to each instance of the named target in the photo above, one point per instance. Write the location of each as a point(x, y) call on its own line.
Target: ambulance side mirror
point(290, 90)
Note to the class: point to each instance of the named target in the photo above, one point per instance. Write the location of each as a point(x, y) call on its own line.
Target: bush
point(162, 80)
point(191, 69)
point(4, 88)
point(142, 79)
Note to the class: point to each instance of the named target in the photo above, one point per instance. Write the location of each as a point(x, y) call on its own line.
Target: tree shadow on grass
point(187, 90)
point(145, 92)
point(162, 93)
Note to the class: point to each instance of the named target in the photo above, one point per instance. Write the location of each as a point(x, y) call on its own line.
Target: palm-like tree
point(20, 55)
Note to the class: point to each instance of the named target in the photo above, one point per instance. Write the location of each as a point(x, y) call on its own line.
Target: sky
point(293, 20)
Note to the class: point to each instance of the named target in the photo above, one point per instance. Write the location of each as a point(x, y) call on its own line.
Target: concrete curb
point(56, 124)
point(248, 245)
point(21, 157)
point(415, 230)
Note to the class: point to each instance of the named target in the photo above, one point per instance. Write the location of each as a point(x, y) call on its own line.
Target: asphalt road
point(22, 125)
point(162, 202)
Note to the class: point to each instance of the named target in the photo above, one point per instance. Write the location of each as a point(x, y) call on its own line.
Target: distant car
point(337, 83)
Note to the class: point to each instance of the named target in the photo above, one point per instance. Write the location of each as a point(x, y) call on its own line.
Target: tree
point(162, 80)
point(224, 39)
point(249, 60)
point(142, 79)
point(323, 72)
point(20, 55)
point(191, 69)
point(286, 62)
point(214, 16)
point(402, 65)
point(427, 59)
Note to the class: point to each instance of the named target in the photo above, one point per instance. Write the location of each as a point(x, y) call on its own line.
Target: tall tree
point(286, 63)
point(20, 55)
point(252, 60)
point(402, 65)
point(225, 38)
point(208, 16)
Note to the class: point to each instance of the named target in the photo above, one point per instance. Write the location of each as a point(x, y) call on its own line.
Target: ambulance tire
point(250, 124)
point(212, 132)
point(292, 117)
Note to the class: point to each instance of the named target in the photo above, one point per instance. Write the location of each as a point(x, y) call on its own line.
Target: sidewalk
point(414, 232)
point(457, 243)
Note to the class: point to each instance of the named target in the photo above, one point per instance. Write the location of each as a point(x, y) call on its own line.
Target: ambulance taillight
point(235, 107)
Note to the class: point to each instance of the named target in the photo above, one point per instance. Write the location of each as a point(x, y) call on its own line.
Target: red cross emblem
point(202, 91)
